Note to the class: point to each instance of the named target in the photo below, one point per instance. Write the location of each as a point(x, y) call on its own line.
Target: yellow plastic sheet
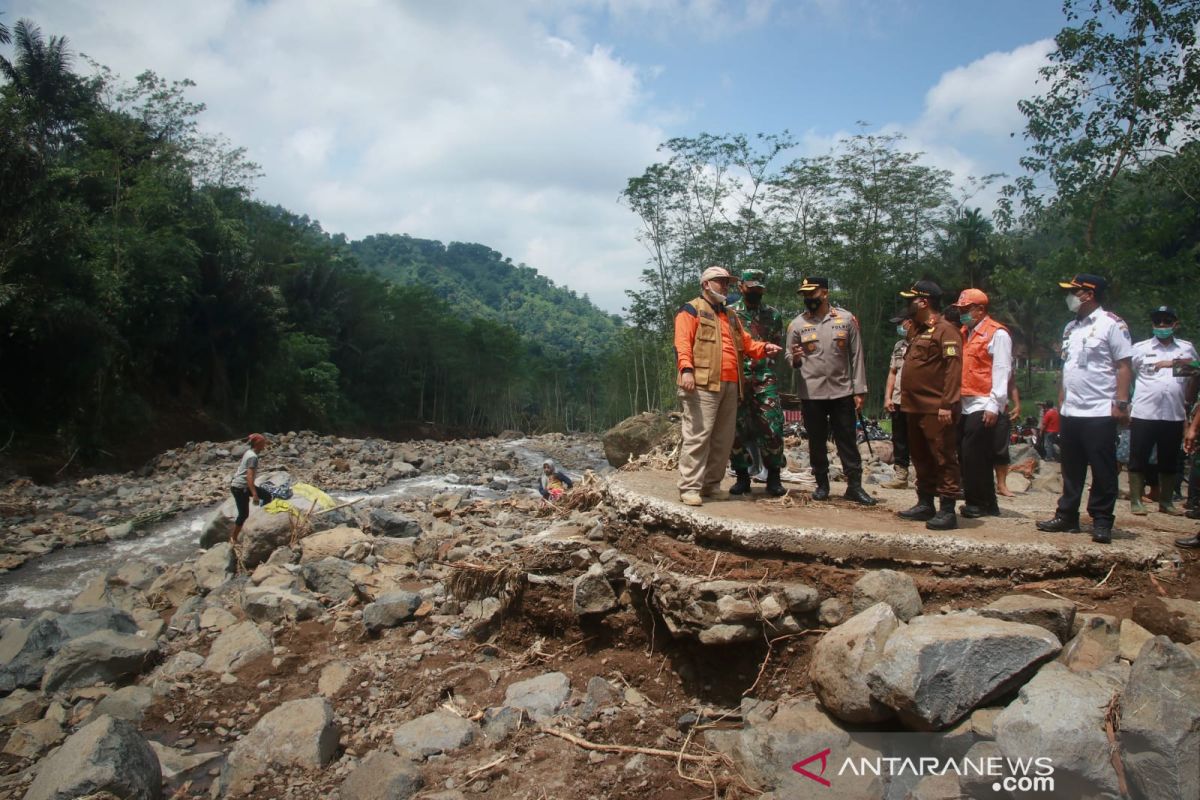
point(306, 491)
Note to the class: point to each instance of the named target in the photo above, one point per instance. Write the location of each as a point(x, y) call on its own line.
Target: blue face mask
point(966, 319)
point(1164, 333)
point(901, 331)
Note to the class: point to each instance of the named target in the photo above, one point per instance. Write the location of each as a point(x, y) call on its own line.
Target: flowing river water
point(52, 581)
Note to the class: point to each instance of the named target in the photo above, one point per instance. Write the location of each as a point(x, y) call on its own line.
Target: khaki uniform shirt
point(830, 346)
point(932, 369)
point(897, 364)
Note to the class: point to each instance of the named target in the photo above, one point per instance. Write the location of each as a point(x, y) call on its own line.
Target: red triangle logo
point(823, 757)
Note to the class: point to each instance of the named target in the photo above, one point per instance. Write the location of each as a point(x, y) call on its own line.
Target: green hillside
point(476, 281)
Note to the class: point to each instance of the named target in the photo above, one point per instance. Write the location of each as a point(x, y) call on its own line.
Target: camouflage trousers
point(759, 424)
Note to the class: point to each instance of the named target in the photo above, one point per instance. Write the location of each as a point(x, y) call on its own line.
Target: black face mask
point(812, 303)
point(753, 297)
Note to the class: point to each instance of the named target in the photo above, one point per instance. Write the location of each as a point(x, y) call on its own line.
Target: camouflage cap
point(754, 277)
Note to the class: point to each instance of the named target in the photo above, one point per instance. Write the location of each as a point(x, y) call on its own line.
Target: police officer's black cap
point(1086, 280)
point(1164, 312)
point(812, 284)
point(923, 289)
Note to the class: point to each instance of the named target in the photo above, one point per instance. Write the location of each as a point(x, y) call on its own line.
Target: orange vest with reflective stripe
point(977, 361)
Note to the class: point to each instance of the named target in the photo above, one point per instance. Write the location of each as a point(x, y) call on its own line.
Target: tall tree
point(1122, 90)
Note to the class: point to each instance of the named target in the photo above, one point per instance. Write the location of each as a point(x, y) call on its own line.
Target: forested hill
point(476, 281)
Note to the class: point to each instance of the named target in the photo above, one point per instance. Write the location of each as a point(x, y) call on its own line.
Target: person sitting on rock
point(242, 487)
point(553, 481)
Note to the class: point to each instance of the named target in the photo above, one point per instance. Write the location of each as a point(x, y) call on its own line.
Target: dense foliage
point(144, 293)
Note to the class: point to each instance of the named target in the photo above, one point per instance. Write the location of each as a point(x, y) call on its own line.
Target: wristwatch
point(1122, 405)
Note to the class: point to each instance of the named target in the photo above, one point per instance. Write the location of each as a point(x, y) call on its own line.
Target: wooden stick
point(679, 755)
point(472, 773)
point(1069, 600)
point(1106, 577)
point(336, 508)
point(716, 557)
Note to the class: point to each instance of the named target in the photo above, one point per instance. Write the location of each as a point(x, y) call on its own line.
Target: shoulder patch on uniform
point(951, 350)
point(1114, 317)
point(687, 308)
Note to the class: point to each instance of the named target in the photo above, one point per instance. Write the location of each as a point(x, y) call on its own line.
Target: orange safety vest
point(977, 361)
point(706, 347)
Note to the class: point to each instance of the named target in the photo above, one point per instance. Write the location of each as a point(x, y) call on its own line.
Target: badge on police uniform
point(951, 351)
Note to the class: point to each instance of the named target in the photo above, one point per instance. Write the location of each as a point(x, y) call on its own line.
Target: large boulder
point(106, 755)
point(263, 533)
point(272, 604)
point(215, 567)
point(330, 577)
point(1060, 715)
point(175, 586)
point(539, 697)
point(1160, 721)
point(592, 593)
point(842, 659)
point(236, 647)
point(25, 649)
point(896, 589)
point(439, 732)
point(390, 610)
point(108, 591)
point(298, 733)
point(129, 704)
point(31, 739)
point(100, 657)
point(1056, 616)
point(382, 776)
point(935, 670)
point(635, 436)
point(385, 522)
point(770, 751)
point(332, 543)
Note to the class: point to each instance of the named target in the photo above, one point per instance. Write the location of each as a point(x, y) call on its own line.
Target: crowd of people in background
point(951, 396)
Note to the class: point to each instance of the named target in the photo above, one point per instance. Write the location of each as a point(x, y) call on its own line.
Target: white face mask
point(715, 296)
point(1074, 303)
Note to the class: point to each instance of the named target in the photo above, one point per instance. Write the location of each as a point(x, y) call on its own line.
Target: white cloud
point(453, 121)
point(981, 98)
point(971, 123)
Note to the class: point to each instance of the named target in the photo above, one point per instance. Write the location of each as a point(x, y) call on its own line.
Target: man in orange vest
point(709, 345)
point(987, 366)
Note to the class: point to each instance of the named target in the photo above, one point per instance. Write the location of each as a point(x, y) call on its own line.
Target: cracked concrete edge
point(1032, 559)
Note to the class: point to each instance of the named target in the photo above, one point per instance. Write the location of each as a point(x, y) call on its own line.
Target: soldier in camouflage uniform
point(760, 416)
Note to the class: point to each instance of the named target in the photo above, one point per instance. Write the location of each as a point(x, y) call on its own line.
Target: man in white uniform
point(1093, 400)
point(1158, 409)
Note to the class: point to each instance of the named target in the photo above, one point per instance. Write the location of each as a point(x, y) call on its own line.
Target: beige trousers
point(709, 421)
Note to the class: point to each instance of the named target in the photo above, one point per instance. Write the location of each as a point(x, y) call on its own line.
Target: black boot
point(855, 492)
point(774, 485)
point(1188, 541)
point(742, 485)
point(1062, 523)
point(1102, 532)
point(945, 519)
point(822, 490)
point(922, 511)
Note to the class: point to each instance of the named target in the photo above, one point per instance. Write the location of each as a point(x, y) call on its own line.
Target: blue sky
point(517, 123)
